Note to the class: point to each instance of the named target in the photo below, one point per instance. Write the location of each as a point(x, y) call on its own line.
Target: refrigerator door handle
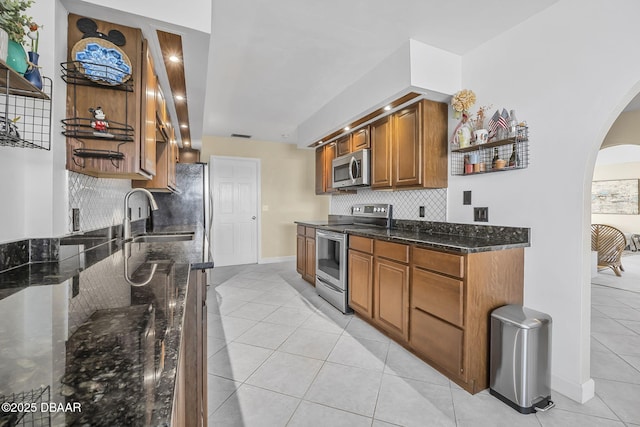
point(210, 213)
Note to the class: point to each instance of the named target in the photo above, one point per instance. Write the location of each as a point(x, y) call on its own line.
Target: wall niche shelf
point(25, 111)
point(485, 154)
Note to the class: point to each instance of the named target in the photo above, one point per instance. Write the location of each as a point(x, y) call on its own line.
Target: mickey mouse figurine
point(99, 123)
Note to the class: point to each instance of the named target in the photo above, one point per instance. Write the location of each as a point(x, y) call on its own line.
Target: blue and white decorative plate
point(102, 61)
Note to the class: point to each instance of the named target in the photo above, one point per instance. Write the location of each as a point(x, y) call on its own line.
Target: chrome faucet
point(126, 225)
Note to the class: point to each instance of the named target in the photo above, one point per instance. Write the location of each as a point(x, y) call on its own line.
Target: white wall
point(27, 191)
point(569, 71)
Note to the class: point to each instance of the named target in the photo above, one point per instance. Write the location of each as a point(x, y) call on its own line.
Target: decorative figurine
point(99, 124)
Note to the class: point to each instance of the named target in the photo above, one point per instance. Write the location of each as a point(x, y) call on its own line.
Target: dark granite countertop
point(77, 331)
point(451, 237)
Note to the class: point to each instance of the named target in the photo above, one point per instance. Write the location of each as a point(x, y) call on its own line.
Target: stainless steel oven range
point(332, 243)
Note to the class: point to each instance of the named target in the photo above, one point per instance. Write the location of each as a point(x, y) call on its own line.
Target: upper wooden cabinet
point(360, 139)
point(324, 178)
point(126, 152)
point(343, 145)
point(162, 140)
point(381, 153)
point(149, 99)
point(357, 140)
point(409, 148)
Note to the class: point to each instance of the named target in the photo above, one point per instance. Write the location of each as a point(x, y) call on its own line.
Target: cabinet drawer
point(439, 341)
point(300, 229)
point(394, 251)
point(439, 295)
point(363, 244)
point(441, 262)
point(310, 232)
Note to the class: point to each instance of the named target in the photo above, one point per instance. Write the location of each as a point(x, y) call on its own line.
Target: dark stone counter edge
point(478, 238)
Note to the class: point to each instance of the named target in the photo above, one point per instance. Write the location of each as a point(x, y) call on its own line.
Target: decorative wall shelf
point(74, 74)
point(25, 111)
point(506, 148)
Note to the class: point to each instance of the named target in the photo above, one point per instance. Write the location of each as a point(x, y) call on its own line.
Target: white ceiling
point(272, 64)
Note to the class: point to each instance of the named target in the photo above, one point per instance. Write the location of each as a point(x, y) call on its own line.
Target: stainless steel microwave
point(352, 170)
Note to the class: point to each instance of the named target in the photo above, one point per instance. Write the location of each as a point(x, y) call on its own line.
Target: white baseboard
point(277, 259)
point(581, 393)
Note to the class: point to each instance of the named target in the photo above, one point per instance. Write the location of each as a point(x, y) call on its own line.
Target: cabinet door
point(438, 341)
point(361, 283)
point(439, 295)
point(381, 153)
point(343, 145)
point(330, 151)
point(391, 297)
point(148, 146)
point(360, 139)
point(300, 253)
point(320, 171)
point(310, 260)
point(407, 147)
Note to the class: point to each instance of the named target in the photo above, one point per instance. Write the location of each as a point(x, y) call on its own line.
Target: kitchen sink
point(163, 238)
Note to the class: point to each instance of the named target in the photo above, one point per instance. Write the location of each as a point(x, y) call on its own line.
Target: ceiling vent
point(239, 135)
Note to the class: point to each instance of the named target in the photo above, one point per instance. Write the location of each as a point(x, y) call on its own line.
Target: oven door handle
point(329, 285)
point(330, 236)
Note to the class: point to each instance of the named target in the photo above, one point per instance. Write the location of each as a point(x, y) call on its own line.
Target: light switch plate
point(75, 219)
point(466, 197)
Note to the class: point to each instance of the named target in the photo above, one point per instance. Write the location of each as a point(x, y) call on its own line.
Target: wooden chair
point(609, 242)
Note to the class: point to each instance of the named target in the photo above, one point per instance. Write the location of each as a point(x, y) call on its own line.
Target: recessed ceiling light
point(387, 108)
point(183, 126)
point(174, 58)
point(347, 128)
point(179, 97)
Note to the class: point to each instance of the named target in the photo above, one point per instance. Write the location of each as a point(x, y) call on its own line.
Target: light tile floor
point(281, 356)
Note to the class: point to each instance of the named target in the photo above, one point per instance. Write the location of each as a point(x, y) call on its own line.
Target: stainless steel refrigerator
point(191, 205)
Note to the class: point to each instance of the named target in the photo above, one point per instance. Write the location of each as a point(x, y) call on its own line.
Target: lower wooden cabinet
point(361, 282)
point(190, 394)
point(306, 253)
point(435, 303)
point(439, 341)
point(391, 287)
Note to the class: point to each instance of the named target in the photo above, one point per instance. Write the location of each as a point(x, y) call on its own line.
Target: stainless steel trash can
point(520, 365)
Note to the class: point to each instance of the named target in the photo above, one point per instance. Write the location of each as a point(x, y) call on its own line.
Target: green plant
point(13, 19)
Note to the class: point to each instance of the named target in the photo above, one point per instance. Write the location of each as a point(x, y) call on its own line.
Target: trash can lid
point(520, 316)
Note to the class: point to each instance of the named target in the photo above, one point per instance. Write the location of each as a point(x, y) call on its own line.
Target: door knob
point(253, 217)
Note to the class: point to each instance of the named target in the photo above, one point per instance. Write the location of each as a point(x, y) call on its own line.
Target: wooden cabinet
point(360, 265)
point(452, 297)
point(150, 79)
point(343, 145)
point(324, 157)
point(306, 253)
point(391, 288)
point(190, 393)
point(129, 152)
point(409, 148)
point(436, 303)
point(159, 138)
point(381, 160)
point(360, 139)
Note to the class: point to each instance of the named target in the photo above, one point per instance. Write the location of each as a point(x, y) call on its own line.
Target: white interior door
point(234, 188)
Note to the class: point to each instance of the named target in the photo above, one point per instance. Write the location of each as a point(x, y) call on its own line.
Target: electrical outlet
point(466, 197)
point(481, 214)
point(75, 219)
point(421, 211)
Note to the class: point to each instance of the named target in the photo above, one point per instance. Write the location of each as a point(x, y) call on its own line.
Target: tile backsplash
point(101, 201)
point(405, 203)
